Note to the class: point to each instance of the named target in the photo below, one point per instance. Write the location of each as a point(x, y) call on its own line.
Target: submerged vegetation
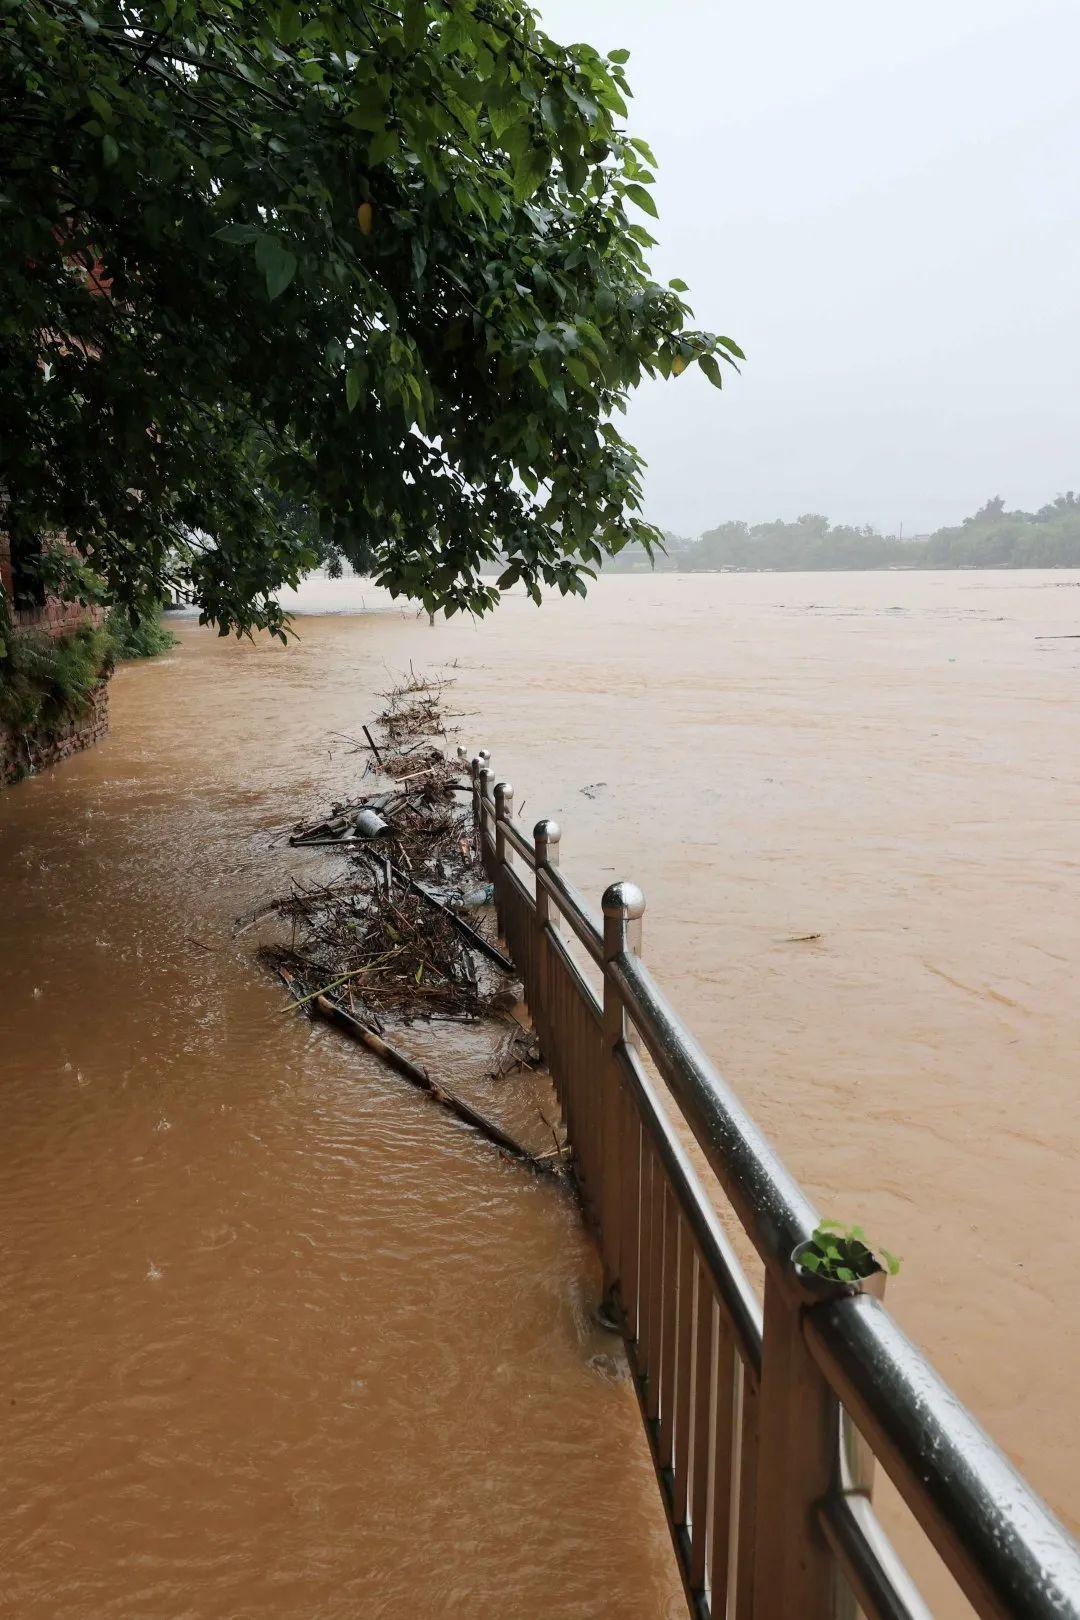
point(992, 537)
point(48, 680)
point(137, 635)
point(45, 681)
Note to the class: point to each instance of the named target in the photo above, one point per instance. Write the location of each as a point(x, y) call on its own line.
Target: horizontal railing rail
point(764, 1419)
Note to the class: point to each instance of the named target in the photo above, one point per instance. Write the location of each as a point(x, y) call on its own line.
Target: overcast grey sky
point(880, 204)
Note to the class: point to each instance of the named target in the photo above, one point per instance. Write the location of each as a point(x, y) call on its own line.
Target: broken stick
point(465, 929)
point(336, 1014)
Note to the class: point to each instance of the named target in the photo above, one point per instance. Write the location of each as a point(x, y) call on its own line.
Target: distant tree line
point(992, 538)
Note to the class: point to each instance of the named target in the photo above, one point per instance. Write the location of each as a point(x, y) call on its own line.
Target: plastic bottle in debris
point(483, 895)
point(369, 824)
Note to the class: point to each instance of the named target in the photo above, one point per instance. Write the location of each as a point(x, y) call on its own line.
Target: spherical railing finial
point(623, 899)
point(504, 796)
point(547, 831)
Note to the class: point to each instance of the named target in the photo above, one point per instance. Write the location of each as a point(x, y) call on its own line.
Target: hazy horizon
point(881, 211)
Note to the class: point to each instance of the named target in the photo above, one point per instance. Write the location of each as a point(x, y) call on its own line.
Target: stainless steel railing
point(764, 1418)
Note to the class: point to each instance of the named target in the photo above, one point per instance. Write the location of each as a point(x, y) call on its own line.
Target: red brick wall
point(25, 754)
point(21, 754)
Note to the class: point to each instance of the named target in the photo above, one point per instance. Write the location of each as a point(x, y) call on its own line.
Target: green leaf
point(110, 151)
point(639, 195)
point(531, 172)
point(644, 148)
point(709, 366)
point(367, 107)
point(575, 169)
point(280, 276)
point(415, 24)
point(354, 382)
point(237, 233)
point(618, 56)
point(383, 146)
point(678, 285)
point(288, 24)
point(277, 264)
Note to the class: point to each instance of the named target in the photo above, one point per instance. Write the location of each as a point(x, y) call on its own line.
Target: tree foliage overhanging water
point(383, 264)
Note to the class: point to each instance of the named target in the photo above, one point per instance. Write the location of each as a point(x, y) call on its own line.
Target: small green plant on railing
point(840, 1253)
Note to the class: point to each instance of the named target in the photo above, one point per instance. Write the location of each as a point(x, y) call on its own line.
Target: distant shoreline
point(993, 537)
point(856, 568)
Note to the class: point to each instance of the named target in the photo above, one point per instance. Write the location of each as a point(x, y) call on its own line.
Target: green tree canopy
point(377, 264)
point(993, 537)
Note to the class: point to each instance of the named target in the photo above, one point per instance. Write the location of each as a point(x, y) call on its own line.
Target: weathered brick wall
point(20, 753)
point(56, 618)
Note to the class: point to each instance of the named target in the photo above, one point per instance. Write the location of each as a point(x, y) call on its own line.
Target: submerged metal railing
point(764, 1420)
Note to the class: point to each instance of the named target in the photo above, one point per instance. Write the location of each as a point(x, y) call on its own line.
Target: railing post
point(504, 809)
point(475, 765)
point(547, 835)
point(623, 906)
point(794, 1569)
point(486, 778)
point(855, 1479)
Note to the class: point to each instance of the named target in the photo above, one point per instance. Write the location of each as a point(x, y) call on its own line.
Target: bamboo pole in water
point(335, 1014)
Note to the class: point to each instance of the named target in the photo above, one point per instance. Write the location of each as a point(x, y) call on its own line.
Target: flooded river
point(279, 1337)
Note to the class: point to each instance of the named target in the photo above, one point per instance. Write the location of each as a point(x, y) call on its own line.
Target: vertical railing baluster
point(631, 1216)
point(724, 1434)
point(655, 1301)
point(649, 1182)
point(669, 1300)
point(704, 1394)
point(746, 1508)
point(684, 1355)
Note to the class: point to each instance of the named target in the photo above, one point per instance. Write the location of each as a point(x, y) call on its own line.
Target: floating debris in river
point(385, 941)
point(386, 938)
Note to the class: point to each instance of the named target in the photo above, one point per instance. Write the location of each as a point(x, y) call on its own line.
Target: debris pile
point(388, 941)
point(405, 931)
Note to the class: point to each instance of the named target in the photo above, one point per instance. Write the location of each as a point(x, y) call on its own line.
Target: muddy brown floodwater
point(279, 1338)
